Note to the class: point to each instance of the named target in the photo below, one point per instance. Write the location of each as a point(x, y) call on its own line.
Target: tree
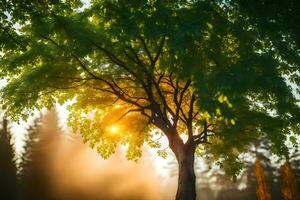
point(294, 161)
point(262, 171)
point(289, 172)
point(289, 187)
point(262, 189)
point(28, 179)
point(35, 161)
point(8, 169)
point(140, 68)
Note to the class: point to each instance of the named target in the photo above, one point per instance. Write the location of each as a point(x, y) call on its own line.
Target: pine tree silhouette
point(8, 170)
point(28, 163)
point(35, 159)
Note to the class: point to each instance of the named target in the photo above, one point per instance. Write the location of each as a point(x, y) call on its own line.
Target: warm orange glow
point(114, 129)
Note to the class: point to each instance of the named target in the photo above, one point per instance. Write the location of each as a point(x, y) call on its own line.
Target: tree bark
point(289, 186)
point(185, 155)
point(262, 189)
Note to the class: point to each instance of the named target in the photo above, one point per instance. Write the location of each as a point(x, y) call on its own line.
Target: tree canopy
point(211, 70)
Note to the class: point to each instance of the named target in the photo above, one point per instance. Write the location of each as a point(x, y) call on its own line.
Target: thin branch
point(163, 99)
point(127, 112)
point(179, 103)
point(202, 138)
point(195, 115)
point(137, 60)
point(146, 49)
point(114, 59)
point(120, 63)
point(190, 117)
point(13, 39)
point(159, 51)
point(75, 57)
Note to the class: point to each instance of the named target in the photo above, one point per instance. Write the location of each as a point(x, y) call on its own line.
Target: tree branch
point(127, 112)
point(190, 117)
point(12, 38)
point(146, 50)
point(159, 51)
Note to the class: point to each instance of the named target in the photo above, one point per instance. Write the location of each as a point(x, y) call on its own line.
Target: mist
point(78, 172)
point(57, 165)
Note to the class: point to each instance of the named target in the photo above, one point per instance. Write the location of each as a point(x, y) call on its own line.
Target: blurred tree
point(262, 189)
point(247, 180)
point(35, 176)
point(289, 186)
point(226, 188)
point(31, 184)
point(294, 161)
point(183, 69)
point(8, 170)
point(262, 150)
point(220, 186)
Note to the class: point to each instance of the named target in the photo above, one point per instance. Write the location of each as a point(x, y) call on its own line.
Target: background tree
point(261, 150)
point(35, 161)
point(8, 170)
point(32, 185)
point(294, 161)
point(289, 187)
point(223, 186)
point(262, 188)
point(192, 68)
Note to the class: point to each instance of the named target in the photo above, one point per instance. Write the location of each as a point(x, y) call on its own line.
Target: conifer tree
point(36, 158)
point(8, 170)
point(30, 186)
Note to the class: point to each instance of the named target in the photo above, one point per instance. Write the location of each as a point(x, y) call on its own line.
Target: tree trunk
point(289, 186)
point(186, 189)
point(262, 189)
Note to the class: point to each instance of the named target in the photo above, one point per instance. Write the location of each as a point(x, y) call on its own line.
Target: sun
point(114, 129)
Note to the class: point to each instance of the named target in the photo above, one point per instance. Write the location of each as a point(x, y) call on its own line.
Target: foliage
point(273, 20)
point(198, 68)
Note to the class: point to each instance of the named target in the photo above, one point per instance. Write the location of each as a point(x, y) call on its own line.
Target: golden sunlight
point(114, 129)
